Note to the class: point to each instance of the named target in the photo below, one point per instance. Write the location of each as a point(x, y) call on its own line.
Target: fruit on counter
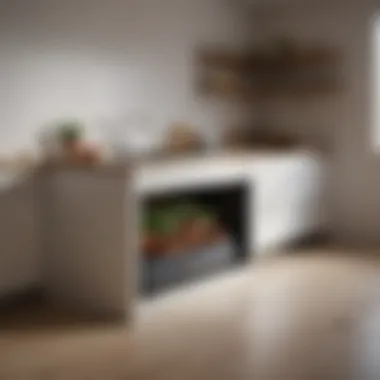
point(182, 137)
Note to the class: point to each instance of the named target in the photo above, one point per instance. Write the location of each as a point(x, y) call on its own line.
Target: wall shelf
point(262, 75)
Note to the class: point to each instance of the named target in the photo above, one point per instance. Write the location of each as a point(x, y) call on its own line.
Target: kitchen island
point(89, 217)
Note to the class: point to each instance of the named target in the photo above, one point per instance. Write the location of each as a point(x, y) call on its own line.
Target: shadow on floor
point(35, 315)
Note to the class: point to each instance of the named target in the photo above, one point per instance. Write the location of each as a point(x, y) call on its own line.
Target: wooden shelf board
point(289, 75)
point(256, 60)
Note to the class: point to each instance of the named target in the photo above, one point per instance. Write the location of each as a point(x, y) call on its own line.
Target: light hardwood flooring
point(314, 315)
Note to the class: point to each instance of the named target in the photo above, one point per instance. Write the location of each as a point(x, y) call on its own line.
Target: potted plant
point(70, 133)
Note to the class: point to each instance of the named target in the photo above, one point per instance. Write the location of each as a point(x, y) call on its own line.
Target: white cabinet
point(285, 190)
point(89, 246)
point(288, 201)
point(90, 219)
point(20, 264)
point(81, 239)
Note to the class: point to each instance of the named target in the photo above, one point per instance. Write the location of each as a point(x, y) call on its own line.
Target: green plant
point(69, 131)
point(165, 219)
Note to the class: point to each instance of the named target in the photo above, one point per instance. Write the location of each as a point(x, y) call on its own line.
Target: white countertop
point(11, 177)
point(208, 170)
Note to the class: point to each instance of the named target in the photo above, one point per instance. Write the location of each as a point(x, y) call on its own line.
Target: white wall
point(343, 122)
point(96, 60)
point(100, 59)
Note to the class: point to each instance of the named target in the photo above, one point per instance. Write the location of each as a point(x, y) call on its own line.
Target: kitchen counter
point(286, 189)
point(151, 176)
point(88, 219)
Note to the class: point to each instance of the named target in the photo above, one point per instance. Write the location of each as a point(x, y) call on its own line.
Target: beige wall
point(342, 122)
point(95, 60)
point(99, 60)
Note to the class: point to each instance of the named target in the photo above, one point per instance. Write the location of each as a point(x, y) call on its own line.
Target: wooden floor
point(310, 316)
